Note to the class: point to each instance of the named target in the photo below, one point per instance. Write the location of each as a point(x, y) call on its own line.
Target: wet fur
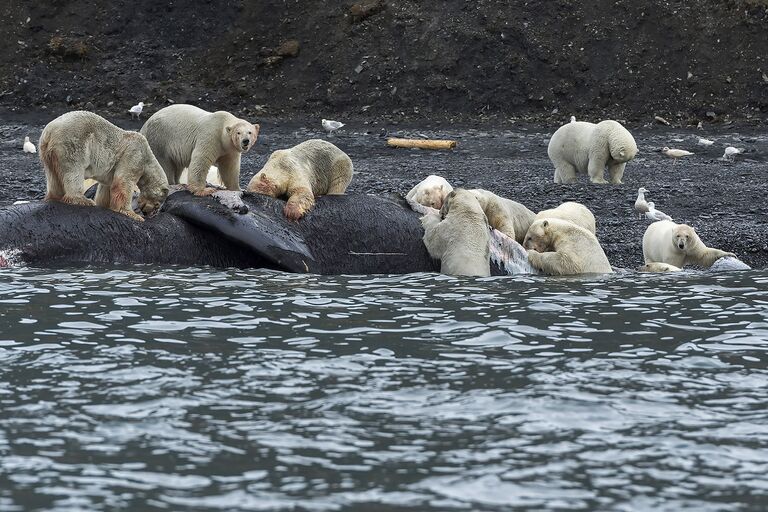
point(459, 236)
point(662, 243)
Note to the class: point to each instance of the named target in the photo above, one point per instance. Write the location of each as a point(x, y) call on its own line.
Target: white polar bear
point(301, 173)
point(572, 212)
point(588, 148)
point(678, 244)
point(459, 236)
point(79, 146)
point(186, 136)
point(431, 191)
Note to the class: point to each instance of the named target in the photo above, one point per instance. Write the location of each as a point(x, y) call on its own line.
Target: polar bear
point(510, 217)
point(186, 136)
point(559, 247)
point(312, 168)
point(431, 191)
point(459, 236)
point(678, 244)
point(658, 267)
point(573, 212)
point(587, 148)
point(80, 145)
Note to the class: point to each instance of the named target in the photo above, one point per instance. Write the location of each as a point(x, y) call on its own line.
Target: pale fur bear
point(303, 172)
point(431, 191)
point(658, 267)
point(588, 148)
point(558, 247)
point(81, 145)
point(678, 244)
point(186, 136)
point(459, 236)
point(510, 217)
point(573, 212)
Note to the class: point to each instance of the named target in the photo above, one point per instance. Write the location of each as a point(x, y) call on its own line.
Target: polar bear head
point(243, 135)
point(273, 179)
point(684, 238)
point(431, 191)
point(538, 237)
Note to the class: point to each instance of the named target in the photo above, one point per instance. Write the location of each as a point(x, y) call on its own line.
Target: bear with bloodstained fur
point(82, 145)
point(303, 172)
point(431, 191)
point(580, 147)
point(507, 216)
point(459, 236)
point(186, 136)
point(678, 244)
point(558, 247)
point(572, 212)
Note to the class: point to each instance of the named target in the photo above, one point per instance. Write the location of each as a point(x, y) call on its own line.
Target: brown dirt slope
point(626, 59)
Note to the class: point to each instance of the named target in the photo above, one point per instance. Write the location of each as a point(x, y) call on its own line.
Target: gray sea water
point(195, 389)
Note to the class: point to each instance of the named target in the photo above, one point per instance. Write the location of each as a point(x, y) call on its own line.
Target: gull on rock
point(640, 203)
point(331, 126)
point(136, 110)
point(28, 146)
point(653, 214)
point(705, 142)
point(674, 154)
point(730, 153)
point(573, 119)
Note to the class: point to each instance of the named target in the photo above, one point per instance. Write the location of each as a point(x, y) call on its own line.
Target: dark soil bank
point(724, 201)
point(440, 59)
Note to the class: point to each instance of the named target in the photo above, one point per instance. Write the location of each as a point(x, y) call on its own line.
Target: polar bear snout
point(246, 144)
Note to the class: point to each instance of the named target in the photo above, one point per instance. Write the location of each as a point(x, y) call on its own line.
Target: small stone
point(289, 48)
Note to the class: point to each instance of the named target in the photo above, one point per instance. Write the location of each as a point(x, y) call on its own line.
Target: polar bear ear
point(229, 129)
point(256, 128)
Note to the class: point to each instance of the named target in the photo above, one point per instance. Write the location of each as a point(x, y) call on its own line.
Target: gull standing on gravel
point(653, 214)
point(705, 142)
point(573, 119)
point(730, 153)
point(640, 204)
point(136, 110)
point(331, 126)
point(28, 146)
point(674, 154)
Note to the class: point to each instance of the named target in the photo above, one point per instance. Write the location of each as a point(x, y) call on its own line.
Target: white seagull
point(136, 109)
point(640, 204)
point(674, 154)
point(28, 146)
point(705, 142)
point(331, 126)
point(730, 153)
point(653, 214)
point(573, 119)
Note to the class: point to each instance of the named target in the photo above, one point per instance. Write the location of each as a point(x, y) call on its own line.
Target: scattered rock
point(363, 10)
point(68, 47)
point(289, 48)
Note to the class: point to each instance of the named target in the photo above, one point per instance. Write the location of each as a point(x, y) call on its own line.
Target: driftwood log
point(421, 143)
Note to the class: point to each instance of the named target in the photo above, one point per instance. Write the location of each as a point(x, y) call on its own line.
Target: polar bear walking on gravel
point(580, 147)
point(186, 136)
point(678, 244)
point(80, 145)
